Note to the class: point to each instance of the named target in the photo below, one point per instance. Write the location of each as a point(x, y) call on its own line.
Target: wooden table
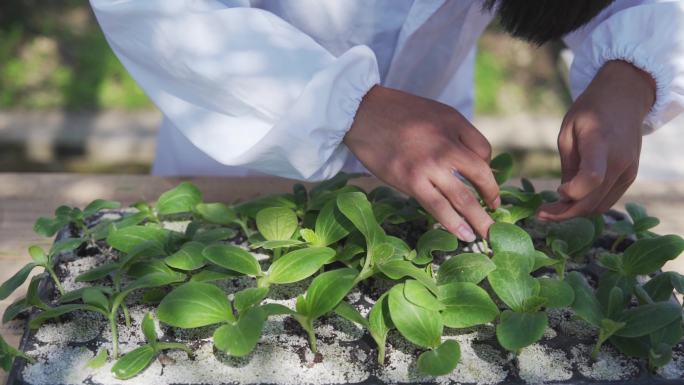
point(25, 197)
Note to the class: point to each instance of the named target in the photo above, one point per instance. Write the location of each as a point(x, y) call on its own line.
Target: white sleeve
point(647, 33)
point(243, 85)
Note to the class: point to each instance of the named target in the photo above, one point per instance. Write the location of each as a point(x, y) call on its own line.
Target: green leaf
point(331, 224)
point(38, 255)
point(149, 330)
point(239, 339)
point(517, 330)
point(251, 208)
point(466, 305)
point(577, 233)
point(14, 309)
point(647, 255)
point(8, 353)
point(636, 211)
point(660, 355)
point(645, 319)
point(48, 227)
point(99, 360)
point(502, 167)
point(145, 282)
point(397, 269)
point(509, 238)
point(419, 325)
point(195, 304)
point(133, 362)
point(189, 257)
point(585, 304)
point(434, 240)
point(95, 297)
point(232, 257)
point(152, 266)
point(558, 294)
point(60, 310)
point(180, 199)
point(660, 287)
point(276, 223)
point(327, 290)
point(100, 204)
point(270, 245)
point(417, 294)
point(465, 267)
point(542, 260)
point(9, 286)
point(214, 235)
point(217, 213)
point(270, 309)
point(213, 273)
point(334, 183)
point(356, 207)
point(128, 238)
point(349, 312)
point(611, 262)
point(608, 280)
point(299, 264)
point(249, 297)
point(511, 281)
point(442, 360)
point(380, 323)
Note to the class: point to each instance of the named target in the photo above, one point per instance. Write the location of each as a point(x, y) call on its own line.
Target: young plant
point(107, 304)
point(639, 227)
point(8, 354)
point(515, 258)
point(135, 361)
point(323, 295)
point(40, 259)
point(197, 304)
point(65, 215)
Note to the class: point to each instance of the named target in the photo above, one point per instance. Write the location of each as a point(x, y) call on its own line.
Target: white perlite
point(539, 364)
point(608, 367)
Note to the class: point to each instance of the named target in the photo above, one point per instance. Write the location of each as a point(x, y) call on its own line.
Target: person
point(305, 88)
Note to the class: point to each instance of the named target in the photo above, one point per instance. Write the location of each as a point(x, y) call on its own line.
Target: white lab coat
point(272, 86)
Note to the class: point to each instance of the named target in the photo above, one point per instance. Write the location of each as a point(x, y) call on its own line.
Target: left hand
point(600, 141)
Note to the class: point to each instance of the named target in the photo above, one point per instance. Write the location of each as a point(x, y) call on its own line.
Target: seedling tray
point(346, 356)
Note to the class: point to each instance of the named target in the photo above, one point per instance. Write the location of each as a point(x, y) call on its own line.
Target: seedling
point(65, 215)
point(135, 361)
point(639, 227)
point(338, 236)
point(40, 259)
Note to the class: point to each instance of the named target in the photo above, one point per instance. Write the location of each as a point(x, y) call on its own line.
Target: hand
point(414, 144)
point(600, 141)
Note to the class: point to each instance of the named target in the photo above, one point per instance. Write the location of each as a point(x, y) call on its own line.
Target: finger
point(570, 209)
point(463, 200)
point(568, 153)
point(476, 142)
point(618, 190)
point(593, 164)
point(477, 172)
point(436, 204)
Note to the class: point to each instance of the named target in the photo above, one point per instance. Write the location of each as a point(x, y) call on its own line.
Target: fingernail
point(465, 233)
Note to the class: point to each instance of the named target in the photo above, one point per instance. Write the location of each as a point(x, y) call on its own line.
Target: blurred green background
point(53, 57)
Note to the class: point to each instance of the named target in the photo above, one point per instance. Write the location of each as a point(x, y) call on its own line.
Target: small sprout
point(135, 361)
point(40, 259)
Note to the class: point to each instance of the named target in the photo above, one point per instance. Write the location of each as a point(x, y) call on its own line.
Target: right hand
point(415, 144)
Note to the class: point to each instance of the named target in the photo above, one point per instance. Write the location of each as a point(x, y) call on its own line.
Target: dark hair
point(539, 21)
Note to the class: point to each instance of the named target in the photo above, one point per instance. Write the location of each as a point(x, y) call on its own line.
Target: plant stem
point(381, 354)
point(55, 279)
point(276, 253)
point(617, 242)
point(602, 337)
point(127, 315)
point(115, 335)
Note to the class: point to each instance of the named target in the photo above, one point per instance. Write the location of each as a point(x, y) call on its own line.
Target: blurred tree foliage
point(53, 55)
